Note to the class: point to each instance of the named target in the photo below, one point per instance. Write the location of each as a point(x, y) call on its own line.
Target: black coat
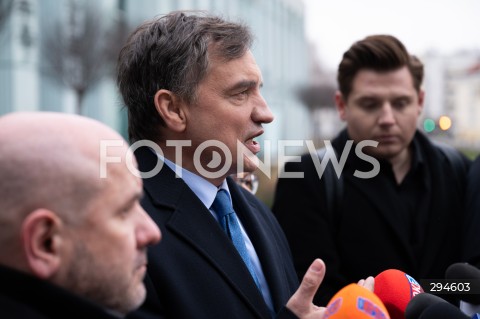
point(366, 236)
point(471, 252)
point(195, 271)
point(23, 296)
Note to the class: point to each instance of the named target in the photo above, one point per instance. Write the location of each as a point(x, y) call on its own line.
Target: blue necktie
point(227, 218)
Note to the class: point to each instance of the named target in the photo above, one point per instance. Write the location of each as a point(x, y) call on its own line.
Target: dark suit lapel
point(439, 209)
point(192, 222)
point(265, 245)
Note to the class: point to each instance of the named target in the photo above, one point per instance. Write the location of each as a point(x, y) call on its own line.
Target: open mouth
point(253, 145)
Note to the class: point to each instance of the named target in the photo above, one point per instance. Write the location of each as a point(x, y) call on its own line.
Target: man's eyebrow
point(367, 97)
point(244, 85)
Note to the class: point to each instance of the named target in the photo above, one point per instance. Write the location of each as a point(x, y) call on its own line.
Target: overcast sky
point(446, 26)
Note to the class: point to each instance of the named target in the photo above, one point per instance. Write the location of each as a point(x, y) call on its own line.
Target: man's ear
point(41, 242)
point(341, 104)
point(171, 109)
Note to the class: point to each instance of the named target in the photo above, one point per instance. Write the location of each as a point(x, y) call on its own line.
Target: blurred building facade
point(452, 85)
point(25, 84)
point(280, 48)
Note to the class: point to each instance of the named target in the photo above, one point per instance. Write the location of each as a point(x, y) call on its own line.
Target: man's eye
point(368, 105)
point(126, 210)
point(242, 94)
point(400, 103)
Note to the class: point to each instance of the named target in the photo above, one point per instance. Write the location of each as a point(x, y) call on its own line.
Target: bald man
point(73, 243)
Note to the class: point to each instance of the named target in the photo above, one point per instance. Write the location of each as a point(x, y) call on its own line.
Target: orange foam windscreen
point(355, 302)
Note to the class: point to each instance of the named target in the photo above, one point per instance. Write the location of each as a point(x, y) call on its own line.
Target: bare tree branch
point(81, 52)
point(5, 10)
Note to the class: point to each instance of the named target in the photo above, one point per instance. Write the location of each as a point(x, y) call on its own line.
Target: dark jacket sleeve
point(471, 252)
point(285, 313)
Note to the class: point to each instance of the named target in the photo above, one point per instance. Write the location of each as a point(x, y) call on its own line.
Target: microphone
point(419, 303)
point(354, 301)
point(395, 289)
point(464, 271)
point(443, 310)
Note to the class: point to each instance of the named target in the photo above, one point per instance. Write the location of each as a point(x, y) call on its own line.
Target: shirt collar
point(204, 190)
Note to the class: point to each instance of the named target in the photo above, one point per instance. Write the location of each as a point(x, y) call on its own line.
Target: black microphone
point(443, 310)
point(420, 303)
point(464, 271)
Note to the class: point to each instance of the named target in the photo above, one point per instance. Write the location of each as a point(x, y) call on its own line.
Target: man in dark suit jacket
point(192, 89)
point(398, 204)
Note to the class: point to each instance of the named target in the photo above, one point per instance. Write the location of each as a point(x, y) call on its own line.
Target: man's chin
point(385, 153)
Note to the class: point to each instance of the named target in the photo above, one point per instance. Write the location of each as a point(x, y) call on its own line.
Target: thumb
point(301, 302)
point(368, 283)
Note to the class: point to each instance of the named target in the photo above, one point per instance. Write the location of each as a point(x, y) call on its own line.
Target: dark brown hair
point(381, 53)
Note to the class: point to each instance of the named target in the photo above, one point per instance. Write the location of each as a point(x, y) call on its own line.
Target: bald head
point(48, 160)
point(62, 220)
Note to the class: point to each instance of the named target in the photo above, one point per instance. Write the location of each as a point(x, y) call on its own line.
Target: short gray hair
point(172, 53)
